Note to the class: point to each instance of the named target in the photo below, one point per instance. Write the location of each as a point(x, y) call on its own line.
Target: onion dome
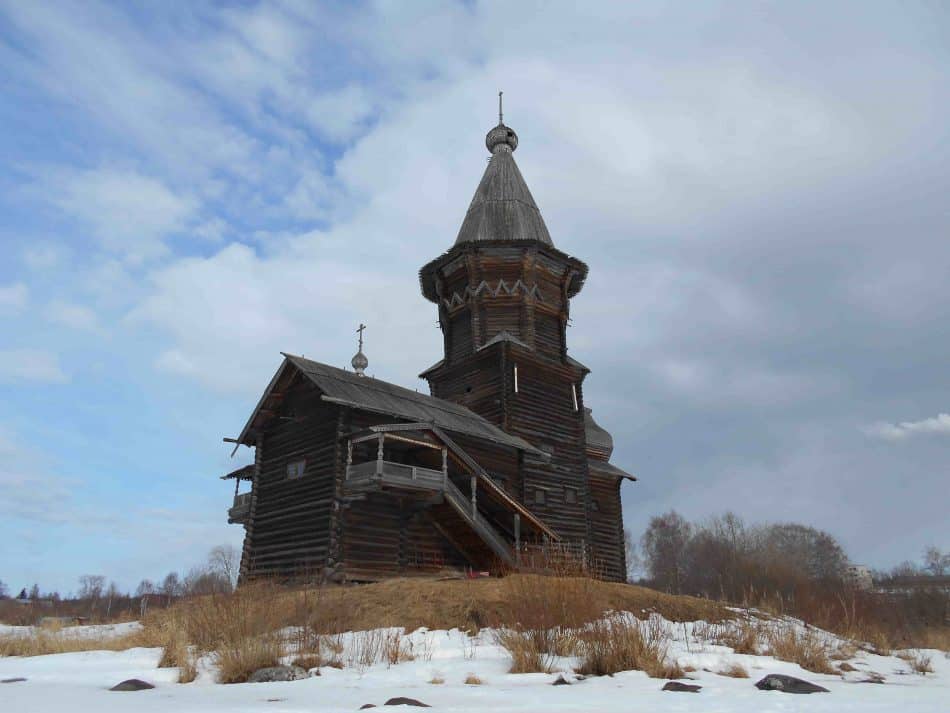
point(502, 138)
point(359, 362)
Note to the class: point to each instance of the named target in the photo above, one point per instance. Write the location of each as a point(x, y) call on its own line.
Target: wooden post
point(379, 457)
point(474, 496)
point(445, 467)
point(349, 458)
point(517, 538)
point(237, 486)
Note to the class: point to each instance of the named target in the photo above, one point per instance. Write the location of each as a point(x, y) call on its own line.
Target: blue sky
point(188, 189)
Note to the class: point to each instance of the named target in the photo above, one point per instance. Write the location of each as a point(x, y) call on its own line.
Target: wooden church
point(501, 468)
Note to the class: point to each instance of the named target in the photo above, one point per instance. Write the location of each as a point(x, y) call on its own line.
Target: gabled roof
point(503, 207)
point(369, 394)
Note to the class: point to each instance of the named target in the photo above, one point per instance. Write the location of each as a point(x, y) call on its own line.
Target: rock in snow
point(788, 684)
point(132, 684)
point(402, 701)
point(12, 680)
point(561, 681)
point(278, 673)
point(682, 687)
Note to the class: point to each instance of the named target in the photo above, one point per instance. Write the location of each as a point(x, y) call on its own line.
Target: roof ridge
point(368, 382)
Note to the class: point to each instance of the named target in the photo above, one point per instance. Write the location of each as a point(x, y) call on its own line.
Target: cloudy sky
point(760, 190)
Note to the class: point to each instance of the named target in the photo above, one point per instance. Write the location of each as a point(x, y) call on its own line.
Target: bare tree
point(224, 561)
point(664, 546)
point(112, 593)
point(632, 556)
point(4, 592)
point(936, 562)
point(145, 589)
point(171, 587)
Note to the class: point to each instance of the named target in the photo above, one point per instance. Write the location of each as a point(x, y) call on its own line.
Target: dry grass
point(935, 637)
point(308, 662)
point(620, 643)
point(40, 642)
point(735, 670)
point(804, 647)
point(238, 659)
point(473, 680)
point(238, 629)
point(437, 680)
point(871, 638)
point(743, 636)
point(918, 661)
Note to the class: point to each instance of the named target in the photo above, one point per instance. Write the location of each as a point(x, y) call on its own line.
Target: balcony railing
point(382, 473)
point(241, 509)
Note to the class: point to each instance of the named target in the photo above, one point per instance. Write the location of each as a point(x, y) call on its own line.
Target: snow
point(79, 682)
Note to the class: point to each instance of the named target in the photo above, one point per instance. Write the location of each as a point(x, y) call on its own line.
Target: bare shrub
point(918, 661)
point(437, 680)
point(804, 647)
point(743, 636)
point(237, 659)
point(541, 617)
point(473, 680)
point(308, 661)
point(734, 670)
point(239, 629)
point(621, 643)
point(524, 649)
point(843, 651)
point(396, 648)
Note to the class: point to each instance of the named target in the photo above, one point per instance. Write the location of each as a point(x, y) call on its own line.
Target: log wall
point(606, 518)
point(289, 526)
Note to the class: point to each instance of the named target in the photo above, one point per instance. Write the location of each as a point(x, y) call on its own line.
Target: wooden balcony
point(385, 475)
point(240, 510)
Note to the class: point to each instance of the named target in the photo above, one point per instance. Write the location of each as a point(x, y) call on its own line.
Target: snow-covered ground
point(79, 682)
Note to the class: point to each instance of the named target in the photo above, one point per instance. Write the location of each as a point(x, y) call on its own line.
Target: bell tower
point(503, 293)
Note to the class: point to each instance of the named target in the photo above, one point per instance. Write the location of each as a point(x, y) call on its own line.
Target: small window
point(296, 469)
point(570, 495)
point(539, 496)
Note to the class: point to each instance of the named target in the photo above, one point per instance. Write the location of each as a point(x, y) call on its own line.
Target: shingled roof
point(370, 394)
point(503, 207)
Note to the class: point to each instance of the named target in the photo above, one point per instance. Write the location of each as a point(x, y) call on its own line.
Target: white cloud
point(340, 115)
point(13, 298)
point(75, 316)
point(24, 365)
point(130, 214)
point(938, 425)
point(43, 256)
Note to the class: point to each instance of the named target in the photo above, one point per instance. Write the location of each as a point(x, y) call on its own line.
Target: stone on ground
point(278, 673)
point(132, 684)
point(403, 701)
point(788, 684)
point(681, 687)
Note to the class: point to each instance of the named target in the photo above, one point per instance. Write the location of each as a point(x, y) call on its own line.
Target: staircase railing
point(463, 506)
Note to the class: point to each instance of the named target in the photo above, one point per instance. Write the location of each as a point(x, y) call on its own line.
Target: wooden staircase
point(469, 532)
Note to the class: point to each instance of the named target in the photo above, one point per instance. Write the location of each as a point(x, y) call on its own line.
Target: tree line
point(97, 599)
point(726, 558)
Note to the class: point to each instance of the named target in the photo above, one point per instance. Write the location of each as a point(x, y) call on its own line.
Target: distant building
point(858, 576)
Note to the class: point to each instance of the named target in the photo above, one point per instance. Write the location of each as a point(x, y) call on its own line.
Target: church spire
point(503, 208)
